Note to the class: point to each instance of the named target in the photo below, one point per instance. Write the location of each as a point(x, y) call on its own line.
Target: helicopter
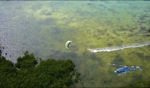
point(125, 69)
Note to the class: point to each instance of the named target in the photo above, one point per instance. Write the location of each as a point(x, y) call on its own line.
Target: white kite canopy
point(67, 44)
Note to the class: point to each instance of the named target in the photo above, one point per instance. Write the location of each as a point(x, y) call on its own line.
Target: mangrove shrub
point(27, 74)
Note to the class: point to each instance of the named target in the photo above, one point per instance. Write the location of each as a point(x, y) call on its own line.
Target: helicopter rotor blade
point(115, 65)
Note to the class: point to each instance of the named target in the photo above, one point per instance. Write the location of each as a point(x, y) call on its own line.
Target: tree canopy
point(27, 73)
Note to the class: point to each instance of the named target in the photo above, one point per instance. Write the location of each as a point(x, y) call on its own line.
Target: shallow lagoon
point(44, 27)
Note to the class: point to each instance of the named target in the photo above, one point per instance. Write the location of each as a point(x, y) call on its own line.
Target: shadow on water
point(59, 55)
point(88, 55)
point(94, 57)
point(118, 60)
point(62, 55)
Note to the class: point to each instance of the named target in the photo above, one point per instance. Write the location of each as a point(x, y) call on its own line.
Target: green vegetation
point(26, 73)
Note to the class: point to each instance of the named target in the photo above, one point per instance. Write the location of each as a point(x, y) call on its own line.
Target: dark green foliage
point(54, 73)
point(27, 74)
point(149, 30)
point(27, 61)
point(0, 52)
point(77, 77)
point(7, 72)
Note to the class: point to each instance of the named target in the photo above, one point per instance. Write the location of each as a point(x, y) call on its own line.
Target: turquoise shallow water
point(44, 27)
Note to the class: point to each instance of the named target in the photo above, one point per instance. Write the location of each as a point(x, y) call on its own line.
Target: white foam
point(109, 49)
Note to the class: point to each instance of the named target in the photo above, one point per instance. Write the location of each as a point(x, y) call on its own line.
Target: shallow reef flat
point(43, 27)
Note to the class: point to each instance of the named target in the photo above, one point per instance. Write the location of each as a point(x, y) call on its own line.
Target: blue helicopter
point(125, 69)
